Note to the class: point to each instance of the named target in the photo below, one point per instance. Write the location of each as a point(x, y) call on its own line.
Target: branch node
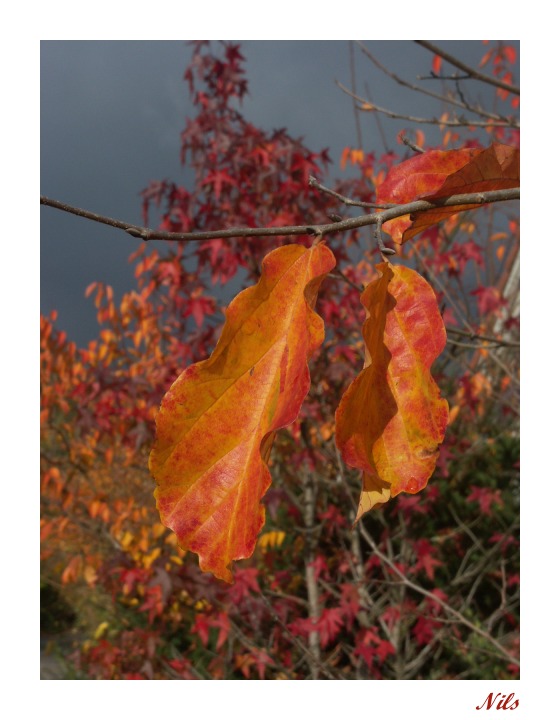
point(137, 232)
point(377, 234)
point(318, 236)
point(410, 144)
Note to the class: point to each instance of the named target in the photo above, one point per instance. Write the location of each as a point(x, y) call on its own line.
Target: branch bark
point(310, 579)
point(377, 218)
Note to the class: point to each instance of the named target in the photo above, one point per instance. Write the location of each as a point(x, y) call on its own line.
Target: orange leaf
point(391, 420)
point(441, 173)
point(216, 424)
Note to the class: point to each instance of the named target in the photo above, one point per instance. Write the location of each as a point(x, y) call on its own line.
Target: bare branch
point(471, 72)
point(313, 182)
point(367, 106)
point(410, 144)
point(426, 593)
point(485, 338)
point(337, 274)
point(417, 88)
point(377, 219)
point(310, 496)
point(460, 314)
point(353, 82)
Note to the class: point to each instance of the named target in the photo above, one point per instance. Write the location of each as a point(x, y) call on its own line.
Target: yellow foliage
point(149, 559)
point(90, 575)
point(157, 530)
point(202, 605)
point(273, 539)
point(171, 539)
point(126, 539)
point(101, 628)
point(453, 414)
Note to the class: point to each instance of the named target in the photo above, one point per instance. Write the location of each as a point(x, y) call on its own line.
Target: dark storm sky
point(112, 113)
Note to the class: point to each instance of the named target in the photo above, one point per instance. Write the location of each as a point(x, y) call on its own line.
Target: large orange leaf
point(216, 424)
point(438, 174)
point(391, 420)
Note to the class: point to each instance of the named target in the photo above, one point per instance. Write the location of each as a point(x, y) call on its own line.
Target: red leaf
point(384, 649)
point(391, 420)
point(485, 497)
point(425, 552)
point(423, 630)
point(245, 582)
point(489, 300)
point(438, 174)
point(329, 625)
point(510, 53)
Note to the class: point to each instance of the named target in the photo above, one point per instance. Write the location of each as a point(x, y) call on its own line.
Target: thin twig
point(486, 338)
point(367, 106)
point(314, 183)
point(471, 72)
point(353, 83)
point(377, 233)
point(474, 346)
point(410, 144)
point(417, 88)
point(337, 274)
point(426, 593)
point(379, 124)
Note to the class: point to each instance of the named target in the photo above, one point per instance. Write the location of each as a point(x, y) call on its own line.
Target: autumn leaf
point(216, 424)
point(329, 625)
point(427, 559)
point(391, 420)
point(442, 173)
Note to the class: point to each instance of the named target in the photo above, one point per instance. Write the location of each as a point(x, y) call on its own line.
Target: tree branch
point(313, 182)
point(368, 106)
point(484, 338)
point(410, 144)
point(377, 219)
point(416, 88)
point(426, 593)
point(471, 72)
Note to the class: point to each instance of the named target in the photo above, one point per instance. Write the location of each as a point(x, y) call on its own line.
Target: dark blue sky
point(112, 113)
